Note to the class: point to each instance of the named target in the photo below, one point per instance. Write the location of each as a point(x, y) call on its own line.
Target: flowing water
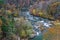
point(38, 20)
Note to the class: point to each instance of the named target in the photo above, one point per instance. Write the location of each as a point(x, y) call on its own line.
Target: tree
point(25, 28)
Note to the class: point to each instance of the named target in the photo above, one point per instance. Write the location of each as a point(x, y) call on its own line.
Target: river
point(34, 20)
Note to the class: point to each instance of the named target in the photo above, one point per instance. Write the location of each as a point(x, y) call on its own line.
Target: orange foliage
point(52, 30)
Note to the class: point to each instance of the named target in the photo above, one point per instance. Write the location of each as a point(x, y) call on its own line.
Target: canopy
point(1, 1)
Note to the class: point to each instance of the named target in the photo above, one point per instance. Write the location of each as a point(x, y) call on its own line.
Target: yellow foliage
point(0, 22)
point(15, 14)
point(34, 11)
point(56, 3)
point(9, 12)
point(40, 13)
point(23, 33)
